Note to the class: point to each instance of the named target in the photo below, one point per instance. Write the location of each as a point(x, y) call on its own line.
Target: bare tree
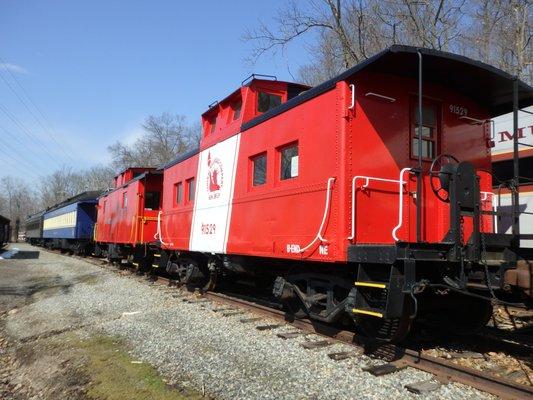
point(17, 200)
point(57, 187)
point(497, 31)
point(165, 137)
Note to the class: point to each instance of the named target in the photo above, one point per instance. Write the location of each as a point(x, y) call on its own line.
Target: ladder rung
point(367, 312)
point(371, 284)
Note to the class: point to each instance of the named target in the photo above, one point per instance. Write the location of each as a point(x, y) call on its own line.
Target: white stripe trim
point(230, 204)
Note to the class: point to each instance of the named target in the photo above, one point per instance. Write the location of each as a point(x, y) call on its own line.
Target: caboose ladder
point(378, 291)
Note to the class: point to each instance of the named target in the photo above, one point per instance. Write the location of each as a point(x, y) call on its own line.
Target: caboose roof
point(83, 197)
point(485, 84)
point(152, 171)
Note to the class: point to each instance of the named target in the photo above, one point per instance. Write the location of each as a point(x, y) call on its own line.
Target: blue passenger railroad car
point(69, 225)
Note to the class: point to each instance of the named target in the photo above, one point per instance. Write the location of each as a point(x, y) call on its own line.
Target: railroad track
point(397, 357)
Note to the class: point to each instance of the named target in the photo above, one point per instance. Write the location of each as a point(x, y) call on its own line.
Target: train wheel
point(469, 318)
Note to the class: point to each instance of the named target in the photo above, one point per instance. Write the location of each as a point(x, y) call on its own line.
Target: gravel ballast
point(191, 344)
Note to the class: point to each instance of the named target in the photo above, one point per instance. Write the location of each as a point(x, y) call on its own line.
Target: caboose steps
point(378, 290)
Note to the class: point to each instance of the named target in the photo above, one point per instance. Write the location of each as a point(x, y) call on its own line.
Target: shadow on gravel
point(26, 255)
point(52, 285)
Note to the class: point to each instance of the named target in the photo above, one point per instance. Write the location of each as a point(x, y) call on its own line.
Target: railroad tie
point(231, 312)
point(196, 301)
point(423, 387)
point(267, 327)
point(222, 309)
point(248, 320)
point(384, 369)
point(290, 335)
point(316, 344)
point(343, 355)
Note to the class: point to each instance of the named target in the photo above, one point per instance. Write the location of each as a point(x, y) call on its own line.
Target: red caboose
point(127, 222)
point(363, 195)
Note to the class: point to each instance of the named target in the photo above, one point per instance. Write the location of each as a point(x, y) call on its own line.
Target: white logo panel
point(214, 194)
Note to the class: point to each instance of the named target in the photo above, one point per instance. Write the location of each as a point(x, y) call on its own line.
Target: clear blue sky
point(97, 68)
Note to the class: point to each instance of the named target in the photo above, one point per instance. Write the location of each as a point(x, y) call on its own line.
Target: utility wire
point(16, 139)
point(28, 96)
point(27, 132)
point(21, 158)
point(19, 164)
point(46, 130)
point(18, 158)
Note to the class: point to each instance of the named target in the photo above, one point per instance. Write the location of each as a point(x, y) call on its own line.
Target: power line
point(27, 171)
point(22, 158)
point(16, 139)
point(21, 162)
point(28, 95)
point(46, 130)
point(27, 132)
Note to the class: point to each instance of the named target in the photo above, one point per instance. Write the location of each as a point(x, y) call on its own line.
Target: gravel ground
point(193, 345)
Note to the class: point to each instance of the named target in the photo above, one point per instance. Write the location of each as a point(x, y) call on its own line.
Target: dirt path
point(55, 357)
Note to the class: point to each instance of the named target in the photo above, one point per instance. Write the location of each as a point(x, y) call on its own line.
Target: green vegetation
point(113, 376)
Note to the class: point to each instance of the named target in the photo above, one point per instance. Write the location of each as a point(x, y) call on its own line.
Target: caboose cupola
point(255, 97)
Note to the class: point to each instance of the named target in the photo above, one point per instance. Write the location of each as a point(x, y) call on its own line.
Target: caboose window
point(267, 101)
point(151, 200)
point(237, 106)
point(179, 192)
point(289, 162)
point(212, 123)
point(124, 199)
point(190, 189)
point(429, 132)
point(260, 168)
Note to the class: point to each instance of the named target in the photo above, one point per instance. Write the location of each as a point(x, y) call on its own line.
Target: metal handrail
point(352, 88)
point(324, 217)
point(486, 195)
point(400, 206)
point(158, 234)
point(381, 96)
point(367, 182)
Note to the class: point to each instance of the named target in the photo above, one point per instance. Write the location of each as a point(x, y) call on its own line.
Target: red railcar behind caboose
point(128, 216)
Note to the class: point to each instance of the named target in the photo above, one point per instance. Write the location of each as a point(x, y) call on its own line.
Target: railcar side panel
point(280, 214)
point(177, 204)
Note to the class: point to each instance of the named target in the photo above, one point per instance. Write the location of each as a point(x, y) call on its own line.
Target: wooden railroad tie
point(316, 344)
point(384, 369)
point(290, 335)
point(232, 312)
point(248, 320)
point(423, 387)
point(267, 327)
point(343, 355)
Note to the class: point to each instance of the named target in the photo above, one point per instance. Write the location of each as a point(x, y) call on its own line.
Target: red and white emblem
point(215, 177)
point(212, 205)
